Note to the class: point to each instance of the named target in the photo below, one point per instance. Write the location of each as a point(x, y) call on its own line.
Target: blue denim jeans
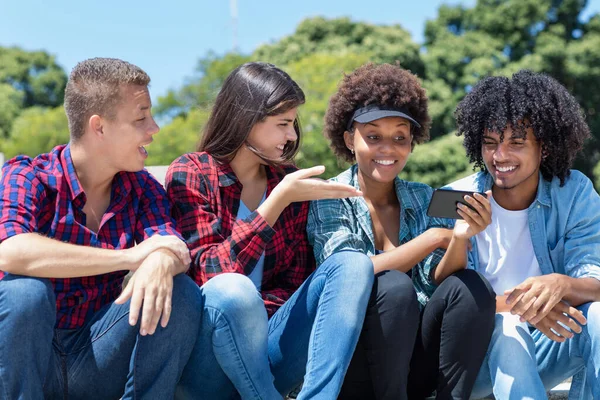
point(522, 363)
point(104, 359)
point(239, 353)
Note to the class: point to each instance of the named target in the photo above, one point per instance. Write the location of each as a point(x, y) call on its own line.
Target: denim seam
point(319, 320)
point(289, 309)
point(96, 338)
point(246, 376)
point(2, 381)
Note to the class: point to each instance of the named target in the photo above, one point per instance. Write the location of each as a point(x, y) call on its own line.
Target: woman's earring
point(352, 151)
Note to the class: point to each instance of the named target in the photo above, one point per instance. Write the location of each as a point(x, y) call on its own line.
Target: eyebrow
point(286, 119)
point(404, 123)
point(512, 137)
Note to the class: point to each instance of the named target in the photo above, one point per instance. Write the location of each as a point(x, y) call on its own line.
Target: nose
point(291, 135)
point(385, 147)
point(500, 152)
point(153, 128)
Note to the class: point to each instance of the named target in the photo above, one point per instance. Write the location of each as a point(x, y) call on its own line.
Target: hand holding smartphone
point(444, 203)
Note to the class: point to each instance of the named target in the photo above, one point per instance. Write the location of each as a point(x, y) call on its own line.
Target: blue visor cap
point(374, 112)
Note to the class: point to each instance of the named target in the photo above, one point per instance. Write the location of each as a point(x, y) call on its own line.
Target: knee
point(394, 291)
point(354, 266)
point(186, 300)
point(27, 299)
point(510, 331)
point(471, 288)
point(233, 295)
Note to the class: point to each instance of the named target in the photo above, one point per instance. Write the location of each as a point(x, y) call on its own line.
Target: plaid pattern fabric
point(345, 224)
point(43, 195)
point(205, 197)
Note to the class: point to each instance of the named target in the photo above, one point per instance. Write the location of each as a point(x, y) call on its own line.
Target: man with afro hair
point(541, 253)
point(419, 333)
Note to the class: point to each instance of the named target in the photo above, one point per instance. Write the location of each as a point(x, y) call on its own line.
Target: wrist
point(566, 283)
point(435, 237)
point(131, 258)
point(459, 238)
point(279, 196)
point(166, 259)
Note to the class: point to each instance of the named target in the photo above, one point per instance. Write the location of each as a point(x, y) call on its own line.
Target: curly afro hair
point(527, 100)
point(383, 84)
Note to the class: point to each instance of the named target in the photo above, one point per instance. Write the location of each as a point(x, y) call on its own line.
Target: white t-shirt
point(506, 256)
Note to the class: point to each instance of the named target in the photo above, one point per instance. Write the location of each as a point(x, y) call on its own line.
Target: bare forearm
point(454, 260)
point(272, 207)
point(582, 290)
point(501, 305)
point(406, 256)
point(31, 254)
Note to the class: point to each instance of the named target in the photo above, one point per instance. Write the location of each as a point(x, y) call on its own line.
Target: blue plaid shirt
point(345, 224)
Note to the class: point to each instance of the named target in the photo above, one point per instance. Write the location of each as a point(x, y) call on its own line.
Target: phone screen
point(443, 203)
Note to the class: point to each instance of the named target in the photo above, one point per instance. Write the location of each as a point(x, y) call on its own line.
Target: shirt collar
point(121, 184)
point(73, 183)
point(485, 182)
point(399, 186)
point(228, 178)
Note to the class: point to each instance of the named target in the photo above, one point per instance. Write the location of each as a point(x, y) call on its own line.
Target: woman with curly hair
point(541, 252)
point(419, 333)
point(270, 320)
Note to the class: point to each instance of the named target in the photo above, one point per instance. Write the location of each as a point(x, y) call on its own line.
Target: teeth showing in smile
point(385, 162)
point(281, 146)
point(505, 169)
point(143, 149)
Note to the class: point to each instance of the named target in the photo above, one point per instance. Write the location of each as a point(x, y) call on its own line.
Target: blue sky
point(167, 40)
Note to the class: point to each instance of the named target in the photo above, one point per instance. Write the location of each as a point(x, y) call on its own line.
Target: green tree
point(178, 137)
point(35, 73)
point(37, 130)
point(202, 88)
point(27, 79)
point(499, 37)
point(318, 75)
point(344, 37)
point(438, 162)
point(11, 101)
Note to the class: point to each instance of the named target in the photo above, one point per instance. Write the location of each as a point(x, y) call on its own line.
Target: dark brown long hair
point(251, 93)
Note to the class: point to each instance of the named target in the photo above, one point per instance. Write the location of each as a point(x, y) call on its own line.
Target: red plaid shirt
point(43, 195)
point(205, 197)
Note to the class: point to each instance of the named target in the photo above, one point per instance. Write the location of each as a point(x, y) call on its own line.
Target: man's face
point(513, 162)
point(130, 130)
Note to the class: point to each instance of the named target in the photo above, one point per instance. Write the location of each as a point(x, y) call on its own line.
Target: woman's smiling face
point(381, 147)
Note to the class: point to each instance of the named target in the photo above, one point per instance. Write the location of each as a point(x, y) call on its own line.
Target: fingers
point(308, 172)
point(166, 314)
point(148, 310)
point(127, 292)
point(183, 253)
point(572, 312)
point(480, 215)
point(517, 291)
point(565, 320)
point(545, 328)
point(135, 304)
point(545, 302)
point(470, 216)
point(321, 189)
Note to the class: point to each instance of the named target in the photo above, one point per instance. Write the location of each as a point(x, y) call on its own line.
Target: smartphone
point(443, 203)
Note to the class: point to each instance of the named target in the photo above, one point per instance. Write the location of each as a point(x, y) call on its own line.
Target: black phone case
point(443, 203)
